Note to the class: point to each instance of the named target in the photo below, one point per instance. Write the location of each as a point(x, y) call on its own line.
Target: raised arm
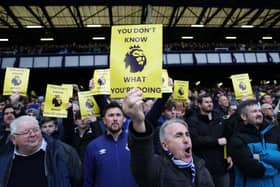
point(133, 108)
point(144, 164)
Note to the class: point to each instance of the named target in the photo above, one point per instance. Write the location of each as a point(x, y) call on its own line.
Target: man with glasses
point(268, 115)
point(49, 162)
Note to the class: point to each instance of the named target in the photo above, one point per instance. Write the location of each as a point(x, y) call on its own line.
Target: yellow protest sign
point(165, 82)
point(101, 78)
point(88, 105)
point(69, 88)
point(242, 86)
point(16, 80)
point(136, 60)
point(181, 90)
point(56, 101)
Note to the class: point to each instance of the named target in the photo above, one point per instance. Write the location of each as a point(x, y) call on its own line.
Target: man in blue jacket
point(254, 147)
point(106, 161)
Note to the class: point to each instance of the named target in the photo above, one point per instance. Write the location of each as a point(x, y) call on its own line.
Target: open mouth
point(188, 150)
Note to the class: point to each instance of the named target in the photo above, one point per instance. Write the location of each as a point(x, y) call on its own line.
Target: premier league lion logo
point(89, 104)
point(181, 91)
point(57, 101)
point(242, 86)
point(101, 81)
point(136, 59)
point(16, 81)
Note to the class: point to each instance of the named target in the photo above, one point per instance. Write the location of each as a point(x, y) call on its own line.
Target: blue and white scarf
point(183, 165)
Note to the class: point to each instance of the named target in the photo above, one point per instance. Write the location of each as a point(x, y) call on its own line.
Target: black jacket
point(153, 170)
point(204, 135)
point(72, 134)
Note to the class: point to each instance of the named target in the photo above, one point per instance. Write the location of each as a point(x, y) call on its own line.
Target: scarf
point(183, 165)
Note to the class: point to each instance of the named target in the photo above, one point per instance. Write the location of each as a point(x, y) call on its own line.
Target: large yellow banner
point(16, 80)
point(181, 90)
point(56, 101)
point(101, 78)
point(242, 85)
point(88, 105)
point(136, 60)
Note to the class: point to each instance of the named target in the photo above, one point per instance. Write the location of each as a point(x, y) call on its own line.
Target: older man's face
point(178, 142)
point(27, 138)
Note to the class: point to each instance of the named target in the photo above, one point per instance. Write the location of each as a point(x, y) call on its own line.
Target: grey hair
point(242, 107)
point(162, 136)
point(19, 120)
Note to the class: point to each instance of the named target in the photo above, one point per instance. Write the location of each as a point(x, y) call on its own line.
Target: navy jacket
point(106, 162)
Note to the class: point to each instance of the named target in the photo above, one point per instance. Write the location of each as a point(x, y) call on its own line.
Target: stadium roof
point(80, 20)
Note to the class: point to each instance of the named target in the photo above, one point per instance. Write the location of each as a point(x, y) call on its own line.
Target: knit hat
point(35, 112)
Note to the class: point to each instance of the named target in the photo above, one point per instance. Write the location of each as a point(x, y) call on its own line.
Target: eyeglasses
point(26, 133)
point(269, 108)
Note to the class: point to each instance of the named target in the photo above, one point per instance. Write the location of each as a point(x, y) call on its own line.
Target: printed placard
point(136, 59)
point(181, 90)
point(242, 85)
point(16, 80)
point(88, 105)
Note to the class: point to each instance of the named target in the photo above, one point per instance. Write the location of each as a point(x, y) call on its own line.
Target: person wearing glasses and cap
point(268, 115)
point(49, 162)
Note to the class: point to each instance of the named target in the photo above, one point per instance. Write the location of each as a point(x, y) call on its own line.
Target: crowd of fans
point(100, 143)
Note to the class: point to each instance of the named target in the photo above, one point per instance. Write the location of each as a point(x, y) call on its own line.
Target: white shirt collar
point(42, 147)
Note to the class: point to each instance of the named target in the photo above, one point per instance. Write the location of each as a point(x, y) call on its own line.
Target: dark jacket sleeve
point(96, 128)
point(6, 159)
point(101, 101)
point(4, 137)
point(243, 158)
point(203, 177)
point(68, 126)
point(74, 165)
point(144, 164)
